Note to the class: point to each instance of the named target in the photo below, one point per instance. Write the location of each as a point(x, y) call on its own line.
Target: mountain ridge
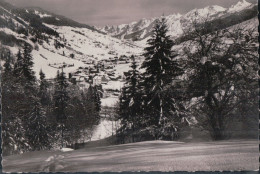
point(182, 21)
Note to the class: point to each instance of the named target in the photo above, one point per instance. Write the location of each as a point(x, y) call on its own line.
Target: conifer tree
point(27, 65)
point(8, 139)
point(97, 100)
point(61, 98)
point(37, 133)
point(123, 114)
point(160, 69)
point(13, 132)
point(18, 64)
point(7, 64)
point(43, 93)
point(94, 98)
point(130, 100)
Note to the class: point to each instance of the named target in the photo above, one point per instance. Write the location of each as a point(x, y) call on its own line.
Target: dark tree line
point(212, 79)
point(42, 114)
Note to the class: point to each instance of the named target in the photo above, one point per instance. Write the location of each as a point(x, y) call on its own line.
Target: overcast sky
point(110, 12)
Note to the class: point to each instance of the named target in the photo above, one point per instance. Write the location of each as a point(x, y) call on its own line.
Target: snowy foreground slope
point(234, 155)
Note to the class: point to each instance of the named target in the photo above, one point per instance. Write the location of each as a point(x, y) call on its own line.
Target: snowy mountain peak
point(217, 8)
point(205, 12)
point(42, 15)
point(174, 16)
point(177, 23)
point(239, 6)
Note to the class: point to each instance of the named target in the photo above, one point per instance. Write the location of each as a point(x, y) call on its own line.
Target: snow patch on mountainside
point(206, 12)
point(42, 15)
point(239, 6)
point(44, 58)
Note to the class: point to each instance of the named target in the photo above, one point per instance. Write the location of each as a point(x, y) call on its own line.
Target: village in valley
point(106, 74)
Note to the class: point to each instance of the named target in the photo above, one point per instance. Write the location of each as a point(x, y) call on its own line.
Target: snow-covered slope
point(238, 155)
point(67, 46)
point(177, 23)
point(241, 5)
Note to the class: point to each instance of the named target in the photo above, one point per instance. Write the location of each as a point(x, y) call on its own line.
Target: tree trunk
point(133, 129)
point(161, 111)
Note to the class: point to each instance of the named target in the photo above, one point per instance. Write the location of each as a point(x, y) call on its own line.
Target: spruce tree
point(7, 120)
point(25, 76)
point(97, 100)
point(43, 92)
point(27, 65)
point(13, 132)
point(38, 131)
point(92, 104)
point(160, 70)
point(18, 64)
point(94, 99)
point(28, 80)
point(7, 64)
point(61, 99)
point(130, 100)
point(123, 115)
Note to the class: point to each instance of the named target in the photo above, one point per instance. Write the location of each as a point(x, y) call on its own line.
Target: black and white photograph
point(129, 85)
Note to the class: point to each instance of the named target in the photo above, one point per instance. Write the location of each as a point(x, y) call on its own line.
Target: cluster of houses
point(98, 73)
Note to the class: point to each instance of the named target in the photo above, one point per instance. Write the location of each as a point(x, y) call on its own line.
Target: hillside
point(58, 41)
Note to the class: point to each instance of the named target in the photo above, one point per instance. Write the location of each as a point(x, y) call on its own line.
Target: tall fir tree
point(13, 131)
point(27, 65)
point(18, 64)
point(43, 91)
point(7, 64)
point(123, 115)
point(61, 99)
point(26, 76)
point(38, 130)
point(160, 70)
point(93, 97)
point(130, 105)
point(97, 101)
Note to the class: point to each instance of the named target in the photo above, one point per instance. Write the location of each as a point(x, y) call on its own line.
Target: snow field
point(235, 155)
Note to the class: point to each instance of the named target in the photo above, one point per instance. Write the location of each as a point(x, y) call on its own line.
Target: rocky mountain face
point(179, 23)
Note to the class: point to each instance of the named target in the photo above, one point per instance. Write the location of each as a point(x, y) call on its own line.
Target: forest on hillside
point(42, 114)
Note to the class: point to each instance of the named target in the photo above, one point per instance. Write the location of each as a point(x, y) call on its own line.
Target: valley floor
point(143, 156)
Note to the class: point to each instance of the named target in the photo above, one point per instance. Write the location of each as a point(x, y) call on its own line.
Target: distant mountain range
point(178, 23)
